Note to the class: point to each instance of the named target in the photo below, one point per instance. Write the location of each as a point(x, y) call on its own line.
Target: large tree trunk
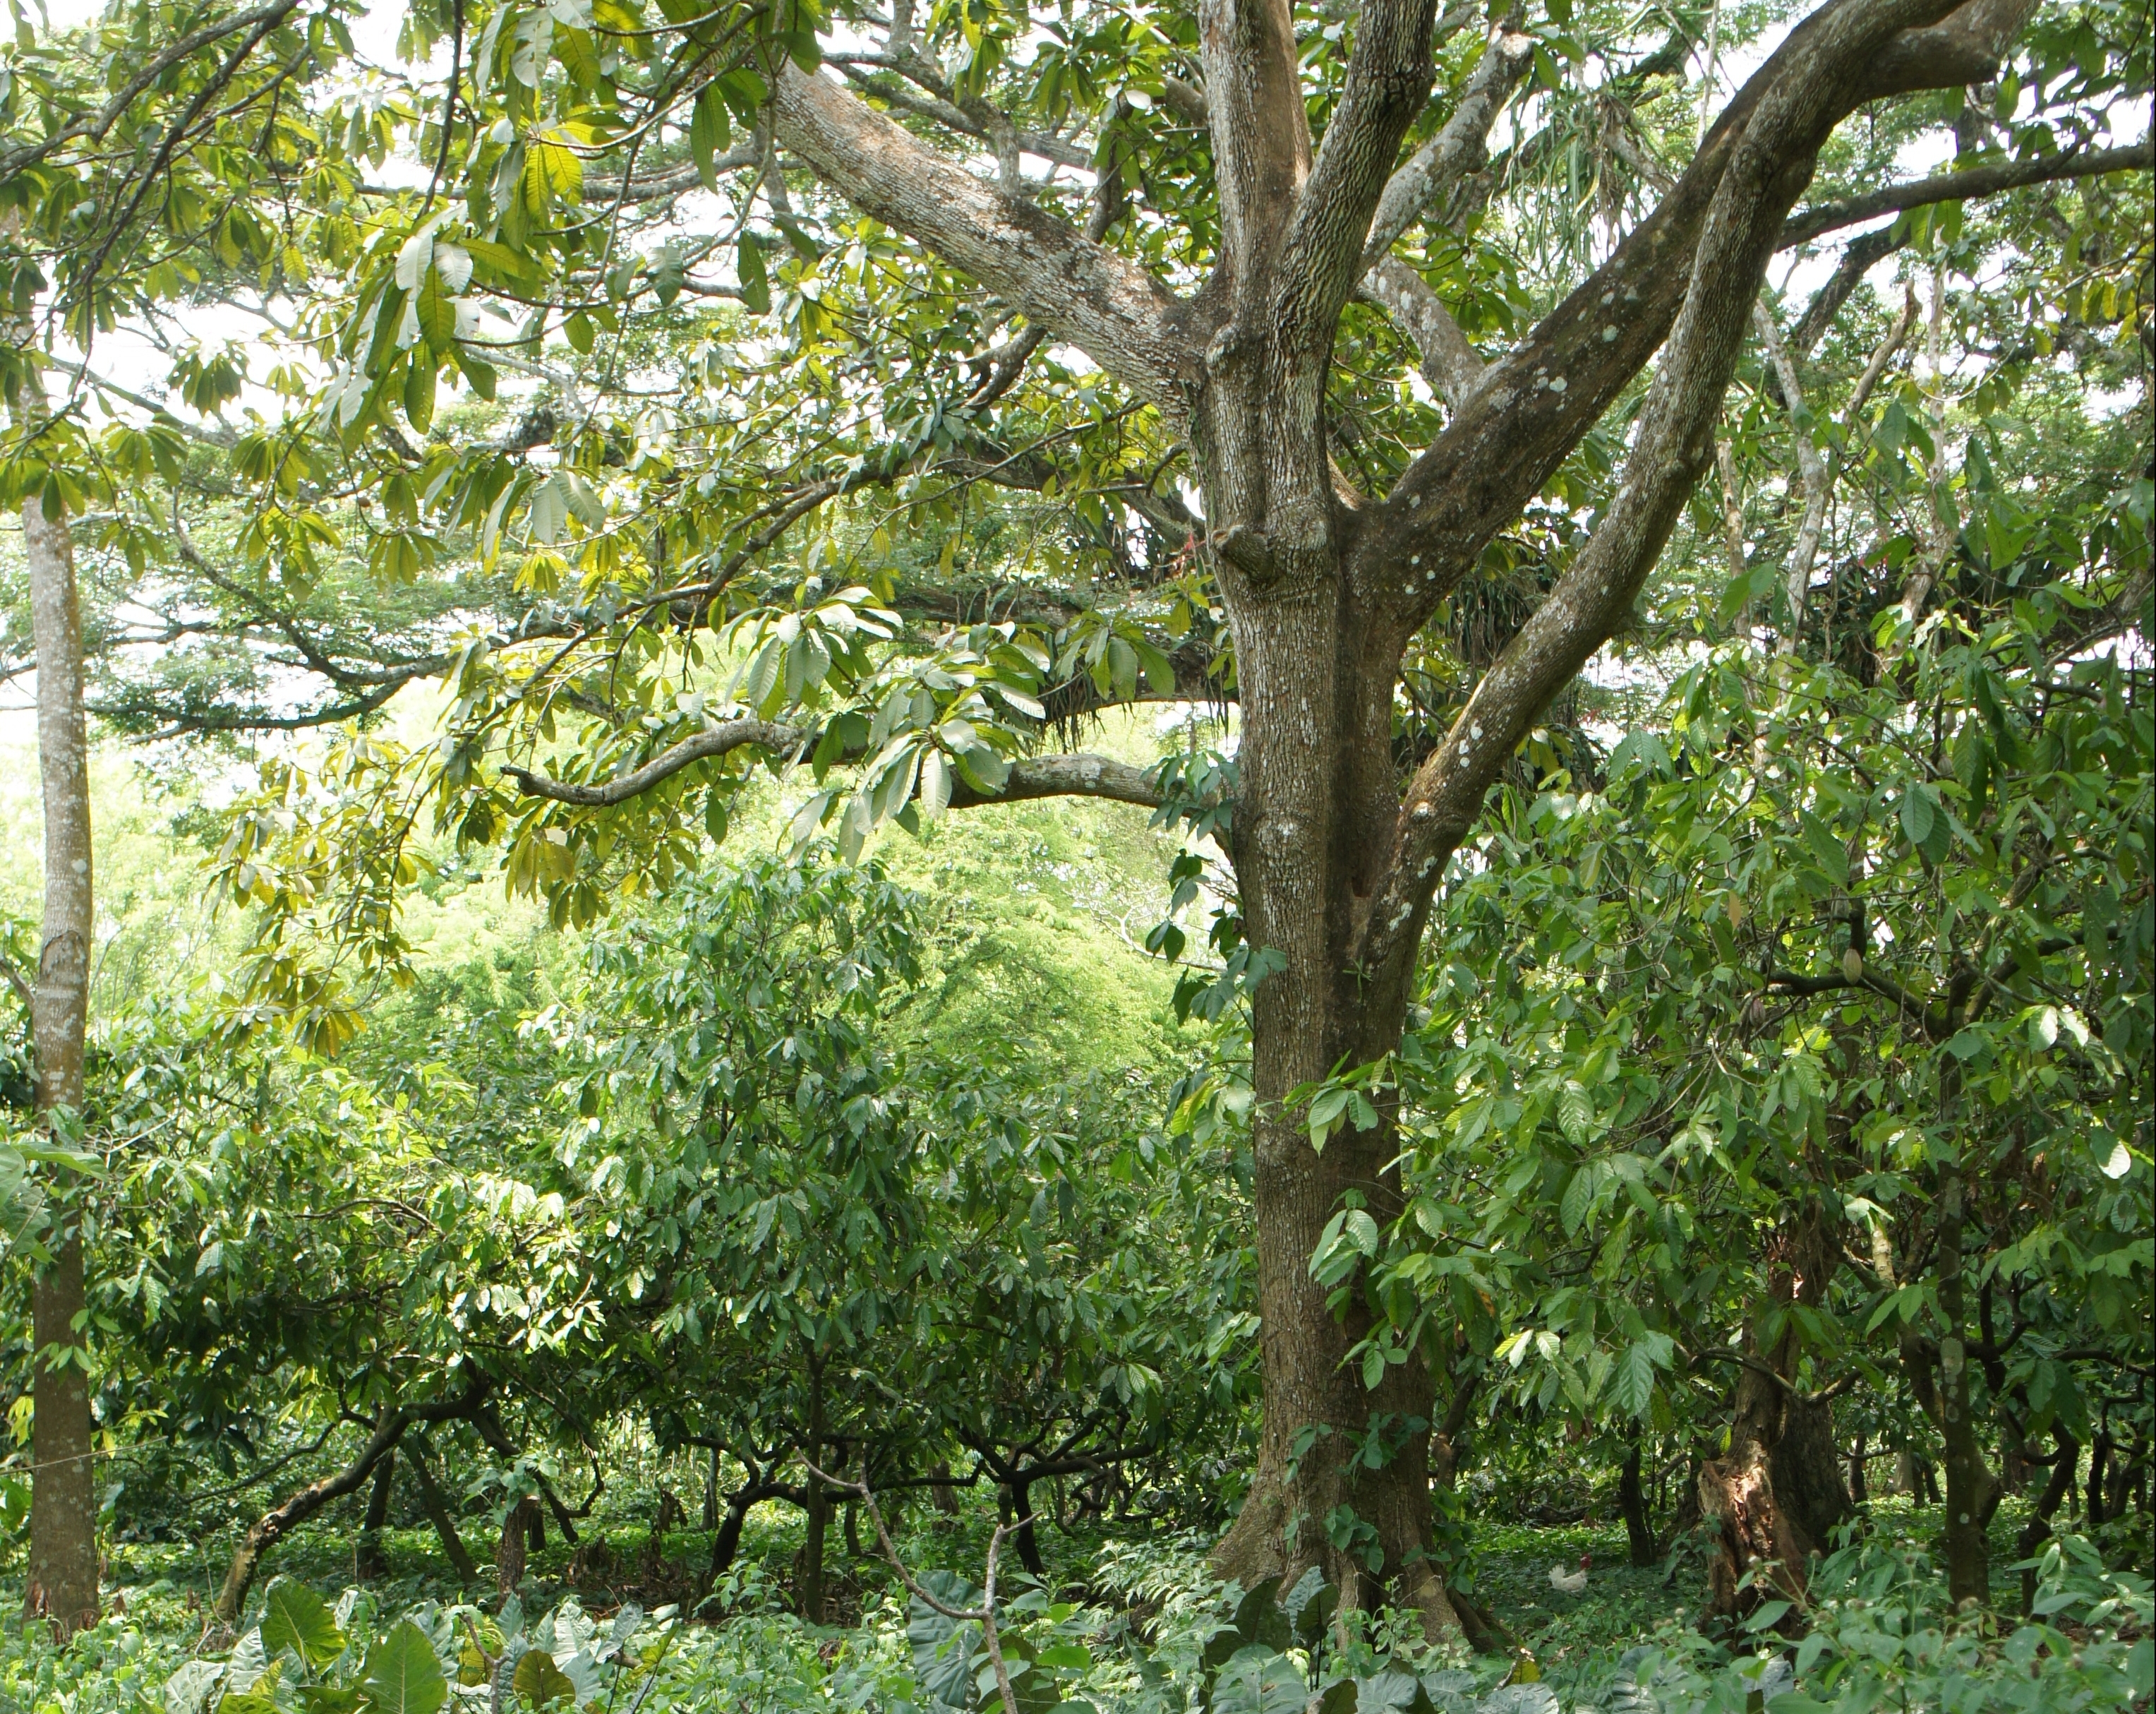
point(1336, 865)
point(62, 1581)
point(1317, 797)
point(1780, 1490)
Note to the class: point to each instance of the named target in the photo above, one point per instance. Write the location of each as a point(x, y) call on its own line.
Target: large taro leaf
point(1258, 1680)
point(1308, 1608)
point(295, 1616)
point(539, 1680)
point(1392, 1693)
point(945, 1650)
point(1258, 1622)
point(187, 1690)
point(402, 1675)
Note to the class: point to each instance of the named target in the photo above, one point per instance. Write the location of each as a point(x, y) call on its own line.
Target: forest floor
point(168, 1584)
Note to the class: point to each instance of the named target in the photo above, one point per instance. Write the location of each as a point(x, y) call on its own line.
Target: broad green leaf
point(708, 134)
point(402, 1675)
point(1635, 1380)
point(539, 1680)
point(748, 268)
point(1259, 1679)
point(1918, 815)
point(295, 1616)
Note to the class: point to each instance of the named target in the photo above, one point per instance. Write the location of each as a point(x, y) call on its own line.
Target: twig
point(14, 979)
point(984, 1615)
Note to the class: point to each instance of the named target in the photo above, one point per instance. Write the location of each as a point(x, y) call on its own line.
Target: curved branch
point(1960, 186)
point(1079, 775)
point(1105, 304)
point(97, 126)
point(1768, 165)
point(722, 740)
point(1539, 401)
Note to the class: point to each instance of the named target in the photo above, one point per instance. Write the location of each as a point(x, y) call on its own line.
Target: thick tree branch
point(1108, 307)
point(1766, 170)
point(1863, 254)
point(1960, 186)
point(1538, 402)
point(1321, 263)
point(1963, 48)
point(1449, 363)
point(1461, 145)
point(1260, 137)
point(1081, 775)
point(720, 740)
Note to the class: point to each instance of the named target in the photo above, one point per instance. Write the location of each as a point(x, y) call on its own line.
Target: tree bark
point(2099, 1466)
point(941, 1494)
point(436, 1504)
point(1780, 1490)
point(62, 1583)
point(1632, 1501)
point(1972, 1491)
point(726, 1543)
point(1027, 1542)
point(273, 1526)
point(808, 1582)
point(369, 1561)
point(816, 1502)
point(508, 1557)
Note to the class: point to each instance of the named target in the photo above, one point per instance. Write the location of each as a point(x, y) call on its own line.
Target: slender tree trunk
point(369, 1561)
point(1632, 1500)
point(726, 1543)
point(1859, 1488)
point(941, 1494)
point(808, 1593)
point(2066, 1459)
point(63, 1583)
point(1027, 1542)
point(2099, 1468)
point(1972, 1490)
point(711, 1492)
point(808, 1584)
point(273, 1526)
point(436, 1504)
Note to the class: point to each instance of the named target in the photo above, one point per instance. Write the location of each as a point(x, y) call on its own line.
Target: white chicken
point(1571, 1582)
